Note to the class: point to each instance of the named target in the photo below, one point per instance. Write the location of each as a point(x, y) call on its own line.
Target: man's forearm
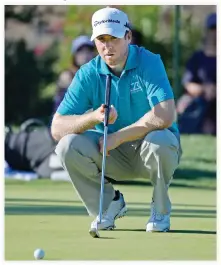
point(149, 122)
point(68, 124)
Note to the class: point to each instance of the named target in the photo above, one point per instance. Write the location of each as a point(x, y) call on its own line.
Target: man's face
point(84, 55)
point(112, 50)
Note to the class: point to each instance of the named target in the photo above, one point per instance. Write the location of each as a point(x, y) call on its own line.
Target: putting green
point(49, 215)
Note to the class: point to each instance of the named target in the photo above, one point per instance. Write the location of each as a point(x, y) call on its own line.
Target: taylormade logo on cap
point(106, 21)
point(110, 21)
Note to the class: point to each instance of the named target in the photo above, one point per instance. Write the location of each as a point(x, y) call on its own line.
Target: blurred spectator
point(82, 51)
point(197, 107)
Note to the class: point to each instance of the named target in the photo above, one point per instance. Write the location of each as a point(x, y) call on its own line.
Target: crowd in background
point(196, 108)
point(196, 105)
point(33, 62)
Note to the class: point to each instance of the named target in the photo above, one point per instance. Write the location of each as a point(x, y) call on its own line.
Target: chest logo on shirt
point(135, 85)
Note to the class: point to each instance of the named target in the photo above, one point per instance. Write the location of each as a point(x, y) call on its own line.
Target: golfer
point(143, 139)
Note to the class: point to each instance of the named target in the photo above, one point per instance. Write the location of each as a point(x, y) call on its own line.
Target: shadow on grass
point(181, 174)
point(105, 237)
point(190, 174)
point(193, 232)
point(16, 200)
point(40, 200)
point(173, 184)
point(27, 209)
point(173, 231)
point(200, 160)
point(175, 205)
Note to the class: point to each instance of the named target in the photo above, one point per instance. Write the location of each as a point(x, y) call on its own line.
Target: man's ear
point(129, 36)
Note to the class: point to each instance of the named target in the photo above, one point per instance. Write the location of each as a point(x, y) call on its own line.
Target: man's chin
point(111, 63)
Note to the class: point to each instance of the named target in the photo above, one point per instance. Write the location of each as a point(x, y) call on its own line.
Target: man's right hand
point(99, 114)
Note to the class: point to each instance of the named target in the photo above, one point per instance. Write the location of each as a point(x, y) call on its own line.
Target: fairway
point(48, 215)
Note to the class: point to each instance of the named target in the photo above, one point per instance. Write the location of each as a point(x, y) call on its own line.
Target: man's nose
point(108, 44)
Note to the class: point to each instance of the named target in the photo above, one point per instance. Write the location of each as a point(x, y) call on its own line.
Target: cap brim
point(108, 31)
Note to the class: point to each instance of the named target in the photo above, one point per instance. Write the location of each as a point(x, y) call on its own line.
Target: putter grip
point(107, 99)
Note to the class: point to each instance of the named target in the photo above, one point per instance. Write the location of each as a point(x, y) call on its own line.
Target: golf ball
point(39, 253)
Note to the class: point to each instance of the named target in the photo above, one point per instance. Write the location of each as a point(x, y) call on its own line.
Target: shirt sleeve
point(157, 83)
point(77, 99)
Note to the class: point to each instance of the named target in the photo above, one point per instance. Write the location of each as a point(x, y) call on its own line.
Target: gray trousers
point(156, 157)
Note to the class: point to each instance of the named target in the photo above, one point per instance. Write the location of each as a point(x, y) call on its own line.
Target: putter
point(94, 232)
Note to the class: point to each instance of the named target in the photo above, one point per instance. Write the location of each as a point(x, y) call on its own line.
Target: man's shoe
point(116, 209)
point(158, 222)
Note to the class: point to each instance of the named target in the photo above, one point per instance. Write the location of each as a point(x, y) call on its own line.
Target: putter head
point(94, 233)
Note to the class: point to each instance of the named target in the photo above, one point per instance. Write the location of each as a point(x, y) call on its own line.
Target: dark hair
point(126, 32)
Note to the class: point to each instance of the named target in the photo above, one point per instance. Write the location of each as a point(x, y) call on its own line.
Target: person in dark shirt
point(197, 107)
point(82, 51)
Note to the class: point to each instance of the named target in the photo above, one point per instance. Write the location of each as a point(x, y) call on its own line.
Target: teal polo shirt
point(142, 85)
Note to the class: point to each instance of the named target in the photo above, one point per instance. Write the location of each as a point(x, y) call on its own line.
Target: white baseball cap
point(110, 21)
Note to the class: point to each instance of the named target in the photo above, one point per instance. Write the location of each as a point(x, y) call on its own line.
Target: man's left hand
point(113, 142)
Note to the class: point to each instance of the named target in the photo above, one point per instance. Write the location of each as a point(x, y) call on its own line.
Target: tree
point(26, 75)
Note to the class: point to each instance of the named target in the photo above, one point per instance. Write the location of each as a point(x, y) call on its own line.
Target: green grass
point(49, 215)
point(198, 163)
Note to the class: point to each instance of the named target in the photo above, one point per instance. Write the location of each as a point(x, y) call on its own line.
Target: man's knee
point(161, 148)
point(80, 143)
point(161, 141)
point(64, 145)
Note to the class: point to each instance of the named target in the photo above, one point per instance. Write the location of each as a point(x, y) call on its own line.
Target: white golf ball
point(39, 253)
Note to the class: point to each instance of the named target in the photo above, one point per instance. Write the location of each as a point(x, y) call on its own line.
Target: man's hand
point(99, 114)
point(113, 142)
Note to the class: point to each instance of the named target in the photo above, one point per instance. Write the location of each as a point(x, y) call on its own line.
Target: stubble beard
point(119, 66)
